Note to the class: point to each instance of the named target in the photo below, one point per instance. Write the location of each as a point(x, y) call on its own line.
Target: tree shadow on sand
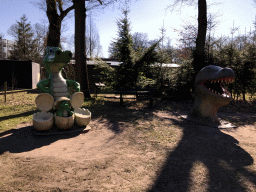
point(220, 153)
point(23, 139)
point(117, 115)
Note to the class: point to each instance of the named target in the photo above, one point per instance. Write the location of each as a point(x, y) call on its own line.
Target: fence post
point(12, 86)
point(121, 98)
point(5, 91)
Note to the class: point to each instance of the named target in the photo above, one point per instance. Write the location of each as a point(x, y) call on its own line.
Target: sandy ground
point(104, 160)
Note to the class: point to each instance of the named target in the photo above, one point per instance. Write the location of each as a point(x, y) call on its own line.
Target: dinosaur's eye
point(51, 51)
point(58, 52)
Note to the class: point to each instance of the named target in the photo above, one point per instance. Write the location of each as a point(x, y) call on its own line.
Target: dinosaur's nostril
point(58, 52)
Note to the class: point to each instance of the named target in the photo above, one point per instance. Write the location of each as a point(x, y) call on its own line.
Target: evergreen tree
point(25, 47)
point(127, 74)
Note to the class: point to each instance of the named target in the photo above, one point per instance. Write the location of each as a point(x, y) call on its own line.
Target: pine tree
point(25, 47)
point(128, 73)
point(125, 73)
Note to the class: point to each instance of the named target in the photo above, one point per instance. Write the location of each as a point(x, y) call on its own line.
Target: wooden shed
point(22, 74)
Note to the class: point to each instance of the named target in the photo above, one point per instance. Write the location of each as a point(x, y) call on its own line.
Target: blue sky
point(146, 16)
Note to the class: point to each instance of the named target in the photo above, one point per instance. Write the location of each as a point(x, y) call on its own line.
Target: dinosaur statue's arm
point(42, 85)
point(74, 84)
point(59, 113)
point(70, 112)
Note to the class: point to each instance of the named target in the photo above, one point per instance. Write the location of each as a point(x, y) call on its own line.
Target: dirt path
point(103, 160)
point(98, 160)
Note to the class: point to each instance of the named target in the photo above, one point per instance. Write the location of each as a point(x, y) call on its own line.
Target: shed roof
point(116, 63)
point(166, 65)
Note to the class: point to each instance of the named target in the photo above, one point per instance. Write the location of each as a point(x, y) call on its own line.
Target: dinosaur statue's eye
point(58, 52)
point(51, 51)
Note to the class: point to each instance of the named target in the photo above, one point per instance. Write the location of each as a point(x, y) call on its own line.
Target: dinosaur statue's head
point(55, 59)
point(209, 84)
point(210, 94)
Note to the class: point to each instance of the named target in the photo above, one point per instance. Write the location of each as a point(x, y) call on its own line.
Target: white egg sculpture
point(43, 120)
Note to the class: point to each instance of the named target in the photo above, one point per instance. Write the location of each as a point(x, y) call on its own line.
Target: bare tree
point(80, 66)
point(140, 41)
point(40, 33)
point(93, 47)
point(199, 54)
point(212, 23)
point(55, 19)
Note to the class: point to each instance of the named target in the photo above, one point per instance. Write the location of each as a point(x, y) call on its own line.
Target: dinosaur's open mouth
point(216, 85)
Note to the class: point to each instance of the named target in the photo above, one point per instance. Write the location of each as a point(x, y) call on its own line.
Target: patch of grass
point(164, 134)
point(19, 108)
point(158, 130)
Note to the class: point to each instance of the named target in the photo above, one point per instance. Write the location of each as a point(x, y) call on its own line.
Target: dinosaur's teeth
point(225, 95)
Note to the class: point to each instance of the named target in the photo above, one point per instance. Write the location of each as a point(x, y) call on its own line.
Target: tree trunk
point(199, 55)
point(53, 38)
point(80, 56)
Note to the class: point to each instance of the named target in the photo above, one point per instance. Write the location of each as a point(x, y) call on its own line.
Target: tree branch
point(64, 13)
point(60, 5)
point(51, 10)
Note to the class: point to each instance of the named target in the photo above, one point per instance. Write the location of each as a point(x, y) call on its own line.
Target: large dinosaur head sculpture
point(210, 94)
point(55, 59)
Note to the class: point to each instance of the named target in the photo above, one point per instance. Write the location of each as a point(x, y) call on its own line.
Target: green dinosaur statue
point(63, 109)
point(54, 60)
point(210, 94)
